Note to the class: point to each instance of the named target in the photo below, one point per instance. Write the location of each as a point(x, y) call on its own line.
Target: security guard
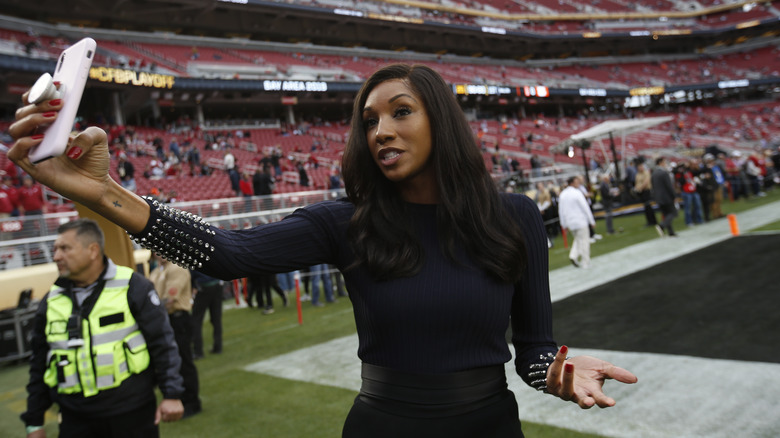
point(101, 342)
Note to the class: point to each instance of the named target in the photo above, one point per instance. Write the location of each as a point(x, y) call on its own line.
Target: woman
point(434, 258)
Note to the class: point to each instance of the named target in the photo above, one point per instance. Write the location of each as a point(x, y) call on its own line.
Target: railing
point(27, 241)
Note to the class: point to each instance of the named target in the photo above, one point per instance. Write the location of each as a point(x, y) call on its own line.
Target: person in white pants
point(575, 215)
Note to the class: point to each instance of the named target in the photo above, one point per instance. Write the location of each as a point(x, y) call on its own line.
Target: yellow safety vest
point(111, 347)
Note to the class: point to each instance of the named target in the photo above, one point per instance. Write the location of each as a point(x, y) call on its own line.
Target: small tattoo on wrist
point(117, 204)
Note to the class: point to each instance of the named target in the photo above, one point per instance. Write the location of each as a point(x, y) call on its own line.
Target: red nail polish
point(55, 102)
point(569, 368)
point(36, 136)
point(564, 350)
point(49, 114)
point(56, 83)
point(74, 152)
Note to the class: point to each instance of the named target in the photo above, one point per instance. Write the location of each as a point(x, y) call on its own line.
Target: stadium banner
point(131, 77)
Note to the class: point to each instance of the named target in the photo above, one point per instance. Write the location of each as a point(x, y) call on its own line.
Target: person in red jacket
point(11, 196)
point(245, 185)
point(30, 197)
point(6, 206)
point(31, 204)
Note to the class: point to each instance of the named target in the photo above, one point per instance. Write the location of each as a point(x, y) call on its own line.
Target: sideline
point(568, 281)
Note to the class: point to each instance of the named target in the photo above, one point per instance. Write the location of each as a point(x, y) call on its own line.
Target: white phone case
point(71, 72)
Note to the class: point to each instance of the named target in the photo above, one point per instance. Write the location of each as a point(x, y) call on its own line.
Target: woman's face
point(398, 132)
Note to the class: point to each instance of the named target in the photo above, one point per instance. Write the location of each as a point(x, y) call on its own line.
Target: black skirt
point(468, 404)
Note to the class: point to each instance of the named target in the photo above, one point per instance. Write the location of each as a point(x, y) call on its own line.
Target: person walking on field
point(207, 293)
point(575, 215)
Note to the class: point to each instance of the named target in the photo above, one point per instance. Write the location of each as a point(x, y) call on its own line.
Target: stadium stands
point(266, 64)
point(187, 59)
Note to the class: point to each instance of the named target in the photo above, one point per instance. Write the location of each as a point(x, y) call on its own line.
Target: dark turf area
point(720, 302)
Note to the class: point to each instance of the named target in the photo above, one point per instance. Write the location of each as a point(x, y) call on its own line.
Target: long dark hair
point(471, 212)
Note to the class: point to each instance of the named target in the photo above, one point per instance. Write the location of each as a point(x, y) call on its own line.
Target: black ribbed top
point(449, 317)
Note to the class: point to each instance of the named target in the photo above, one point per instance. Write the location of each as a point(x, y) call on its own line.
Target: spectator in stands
point(228, 160)
point(506, 164)
point(536, 166)
point(173, 148)
point(265, 161)
point(235, 181)
point(276, 158)
point(245, 185)
point(334, 180)
point(151, 171)
point(665, 196)
point(303, 175)
point(172, 168)
point(11, 192)
point(31, 204)
point(514, 164)
point(6, 202)
point(263, 183)
point(30, 197)
point(158, 148)
point(496, 162)
point(411, 231)
point(193, 158)
point(126, 172)
point(12, 170)
point(643, 187)
point(575, 215)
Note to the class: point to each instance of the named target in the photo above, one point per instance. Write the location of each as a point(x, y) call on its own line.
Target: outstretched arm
point(581, 378)
point(81, 174)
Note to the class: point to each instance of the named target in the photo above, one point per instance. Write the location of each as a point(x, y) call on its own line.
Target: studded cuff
point(537, 371)
point(178, 236)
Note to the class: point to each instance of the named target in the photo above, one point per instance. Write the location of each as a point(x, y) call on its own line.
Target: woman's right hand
point(81, 173)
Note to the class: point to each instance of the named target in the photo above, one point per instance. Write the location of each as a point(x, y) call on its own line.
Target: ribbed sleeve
point(449, 317)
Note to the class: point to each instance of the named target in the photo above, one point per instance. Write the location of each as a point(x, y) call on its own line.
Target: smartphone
point(71, 72)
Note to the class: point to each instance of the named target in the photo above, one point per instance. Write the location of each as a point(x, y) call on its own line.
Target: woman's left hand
point(580, 379)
